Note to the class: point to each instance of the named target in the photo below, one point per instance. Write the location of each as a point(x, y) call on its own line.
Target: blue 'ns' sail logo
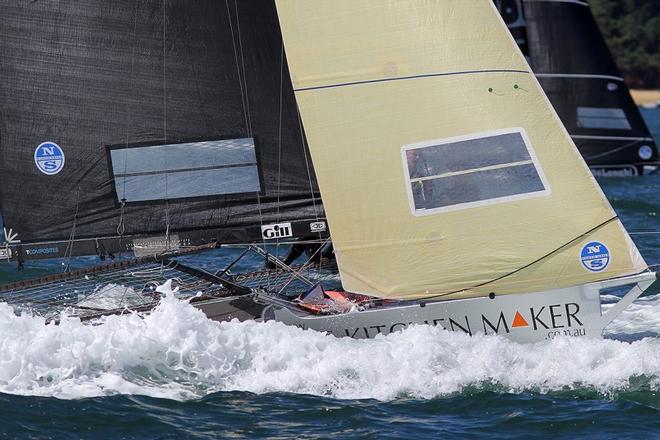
point(49, 158)
point(595, 256)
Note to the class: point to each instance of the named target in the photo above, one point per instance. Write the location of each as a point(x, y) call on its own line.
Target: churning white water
point(176, 352)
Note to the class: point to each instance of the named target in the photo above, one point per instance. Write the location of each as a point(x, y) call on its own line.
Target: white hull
point(529, 317)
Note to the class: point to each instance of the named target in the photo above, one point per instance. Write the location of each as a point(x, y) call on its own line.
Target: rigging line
point(164, 80)
point(240, 245)
point(614, 138)
point(608, 152)
point(279, 134)
point(127, 123)
point(578, 76)
point(279, 143)
point(309, 263)
point(238, 68)
point(120, 227)
point(261, 224)
point(226, 270)
point(167, 203)
point(575, 2)
point(415, 300)
point(549, 254)
point(240, 45)
point(69, 246)
point(243, 79)
point(167, 217)
point(309, 174)
point(281, 264)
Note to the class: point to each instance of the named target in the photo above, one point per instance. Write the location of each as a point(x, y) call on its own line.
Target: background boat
point(573, 63)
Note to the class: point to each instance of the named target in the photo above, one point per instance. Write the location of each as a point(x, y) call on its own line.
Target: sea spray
point(641, 317)
point(177, 353)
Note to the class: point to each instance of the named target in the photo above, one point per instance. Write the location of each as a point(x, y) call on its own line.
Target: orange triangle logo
point(519, 321)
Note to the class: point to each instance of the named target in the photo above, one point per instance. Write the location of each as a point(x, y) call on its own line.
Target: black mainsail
point(148, 124)
point(570, 57)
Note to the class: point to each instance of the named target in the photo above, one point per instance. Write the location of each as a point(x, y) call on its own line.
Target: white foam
point(177, 353)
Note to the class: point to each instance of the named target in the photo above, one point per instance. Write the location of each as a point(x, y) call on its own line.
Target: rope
point(309, 173)
point(279, 134)
point(167, 219)
point(568, 243)
point(240, 45)
point(120, 227)
point(68, 252)
point(164, 80)
point(609, 152)
point(305, 266)
point(281, 264)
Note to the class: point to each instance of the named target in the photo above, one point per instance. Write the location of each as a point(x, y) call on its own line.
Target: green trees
point(632, 31)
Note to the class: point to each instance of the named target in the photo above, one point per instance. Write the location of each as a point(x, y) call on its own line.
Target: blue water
point(652, 119)
point(177, 375)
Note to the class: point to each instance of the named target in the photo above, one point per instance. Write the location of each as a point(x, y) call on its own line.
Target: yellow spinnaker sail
point(443, 168)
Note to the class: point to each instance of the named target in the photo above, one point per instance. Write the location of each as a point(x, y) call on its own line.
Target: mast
point(583, 84)
point(444, 170)
point(148, 125)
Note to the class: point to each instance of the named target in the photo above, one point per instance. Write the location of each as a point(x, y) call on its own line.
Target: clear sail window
point(474, 170)
point(175, 171)
point(602, 117)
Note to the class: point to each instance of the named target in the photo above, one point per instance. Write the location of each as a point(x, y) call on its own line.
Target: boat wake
point(177, 353)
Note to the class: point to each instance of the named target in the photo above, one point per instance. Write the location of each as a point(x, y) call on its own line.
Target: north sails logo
point(279, 230)
point(595, 256)
point(49, 158)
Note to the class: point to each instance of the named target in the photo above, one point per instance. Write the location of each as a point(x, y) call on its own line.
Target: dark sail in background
point(567, 52)
point(171, 116)
point(513, 14)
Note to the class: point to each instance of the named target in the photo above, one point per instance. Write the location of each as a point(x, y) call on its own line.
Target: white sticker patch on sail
point(194, 169)
point(470, 171)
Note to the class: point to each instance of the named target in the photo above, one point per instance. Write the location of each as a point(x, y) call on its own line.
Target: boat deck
point(132, 285)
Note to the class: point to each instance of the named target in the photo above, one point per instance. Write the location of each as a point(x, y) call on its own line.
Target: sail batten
point(421, 75)
point(460, 184)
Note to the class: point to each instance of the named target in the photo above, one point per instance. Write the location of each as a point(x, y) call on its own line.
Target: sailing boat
point(479, 216)
point(583, 84)
point(157, 128)
point(454, 193)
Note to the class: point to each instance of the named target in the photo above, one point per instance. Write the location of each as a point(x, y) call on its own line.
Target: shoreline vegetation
point(631, 29)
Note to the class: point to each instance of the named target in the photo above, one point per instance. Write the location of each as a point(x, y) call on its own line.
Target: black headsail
point(145, 123)
point(571, 59)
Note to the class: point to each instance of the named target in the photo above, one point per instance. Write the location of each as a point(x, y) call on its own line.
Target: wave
point(177, 353)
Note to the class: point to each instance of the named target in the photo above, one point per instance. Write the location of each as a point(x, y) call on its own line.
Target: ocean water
point(175, 374)
point(652, 118)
